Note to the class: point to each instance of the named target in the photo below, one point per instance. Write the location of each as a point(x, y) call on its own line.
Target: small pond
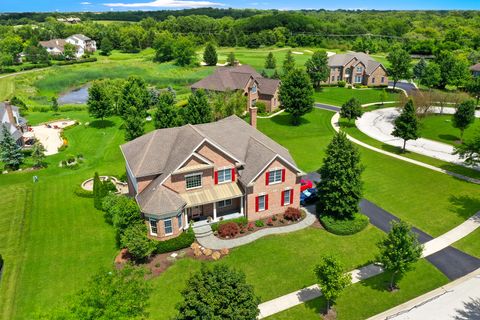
point(75, 96)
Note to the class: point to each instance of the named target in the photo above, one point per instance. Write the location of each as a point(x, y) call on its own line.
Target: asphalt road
point(326, 107)
point(405, 86)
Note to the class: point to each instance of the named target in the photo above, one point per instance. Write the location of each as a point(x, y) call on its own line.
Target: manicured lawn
point(470, 244)
point(439, 127)
point(338, 96)
point(271, 264)
point(433, 202)
point(370, 297)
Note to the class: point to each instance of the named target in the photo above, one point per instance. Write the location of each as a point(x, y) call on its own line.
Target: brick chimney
point(8, 108)
point(253, 117)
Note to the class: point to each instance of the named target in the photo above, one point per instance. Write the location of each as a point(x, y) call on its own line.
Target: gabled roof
point(340, 60)
point(16, 134)
point(156, 197)
point(54, 43)
point(80, 37)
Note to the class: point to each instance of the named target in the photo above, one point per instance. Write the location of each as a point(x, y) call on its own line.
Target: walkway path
point(379, 125)
point(215, 243)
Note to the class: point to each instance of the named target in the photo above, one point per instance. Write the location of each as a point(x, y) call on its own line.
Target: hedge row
point(182, 241)
point(241, 221)
point(345, 227)
point(67, 62)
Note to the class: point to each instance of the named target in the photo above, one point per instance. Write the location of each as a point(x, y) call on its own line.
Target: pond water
point(75, 96)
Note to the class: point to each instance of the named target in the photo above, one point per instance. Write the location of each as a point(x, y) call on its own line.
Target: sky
point(122, 5)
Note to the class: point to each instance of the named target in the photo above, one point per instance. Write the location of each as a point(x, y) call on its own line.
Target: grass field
point(338, 96)
point(439, 127)
point(470, 244)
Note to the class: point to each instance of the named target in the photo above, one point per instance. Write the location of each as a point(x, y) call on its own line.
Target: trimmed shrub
point(261, 107)
point(292, 214)
point(230, 229)
point(259, 223)
point(345, 227)
point(341, 84)
point(80, 192)
point(184, 240)
point(134, 238)
point(243, 221)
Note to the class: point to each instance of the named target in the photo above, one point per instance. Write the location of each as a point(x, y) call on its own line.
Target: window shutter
point(233, 174)
point(256, 204)
point(267, 176)
point(266, 202)
point(291, 196)
point(283, 199)
point(215, 174)
point(283, 175)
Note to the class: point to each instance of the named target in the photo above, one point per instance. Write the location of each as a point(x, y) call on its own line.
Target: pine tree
point(38, 154)
point(340, 187)
point(166, 113)
point(198, 109)
point(99, 102)
point(332, 279)
point(264, 73)
point(351, 110)
point(296, 94)
point(406, 124)
point(317, 68)
point(288, 63)
point(54, 104)
point(231, 59)
point(464, 116)
point(275, 74)
point(10, 152)
point(210, 55)
point(97, 191)
point(270, 61)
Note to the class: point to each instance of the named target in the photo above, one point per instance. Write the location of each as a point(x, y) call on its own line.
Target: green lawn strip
point(338, 96)
point(370, 297)
point(439, 128)
point(470, 244)
point(357, 134)
point(271, 264)
point(431, 201)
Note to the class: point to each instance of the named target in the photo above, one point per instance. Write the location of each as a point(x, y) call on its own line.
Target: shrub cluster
point(292, 214)
point(67, 62)
point(182, 241)
point(242, 222)
point(230, 229)
point(259, 223)
point(341, 84)
point(345, 227)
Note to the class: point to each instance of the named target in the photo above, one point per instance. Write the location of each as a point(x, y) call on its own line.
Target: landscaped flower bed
point(241, 227)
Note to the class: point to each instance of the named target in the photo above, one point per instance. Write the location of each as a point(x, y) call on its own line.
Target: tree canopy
point(210, 55)
point(351, 110)
point(296, 94)
point(332, 278)
point(464, 116)
point(406, 124)
point(399, 64)
point(317, 67)
point(10, 152)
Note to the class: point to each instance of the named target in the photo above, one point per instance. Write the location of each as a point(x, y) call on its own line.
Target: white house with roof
point(82, 41)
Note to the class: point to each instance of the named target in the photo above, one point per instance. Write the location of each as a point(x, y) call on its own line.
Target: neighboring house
point(356, 68)
point(71, 20)
point(219, 170)
point(243, 78)
point(84, 42)
point(56, 47)
point(10, 117)
point(475, 69)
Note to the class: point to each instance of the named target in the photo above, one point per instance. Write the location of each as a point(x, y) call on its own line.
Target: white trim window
point(224, 175)
point(224, 203)
point(358, 79)
point(254, 88)
point(153, 226)
point(359, 69)
point(383, 80)
point(261, 202)
point(168, 227)
point(180, 221)
point(193, 181)
point(287, 197)
point(275, 176)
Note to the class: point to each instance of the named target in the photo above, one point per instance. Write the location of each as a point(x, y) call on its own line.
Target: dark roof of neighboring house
point(54, 43)
point(161, 152)
point(236, 78)
point(475, 67)
point(340, 60)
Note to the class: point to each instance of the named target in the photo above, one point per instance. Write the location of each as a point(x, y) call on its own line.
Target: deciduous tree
point(99, 102)
point(317, 68)
point(164, 45)
point(432, 75)
point(210, 55)
point(135, 239)
point(332, 279)
point(406, 124)
point(453, 70)
point(296, 94)
point(135, 96)
point(69, 51)
point(399, 64)
point(185, 52)
point(464, 116)
point(134, 124)
point(351, 110)
point(106, 46)
point(473, 87)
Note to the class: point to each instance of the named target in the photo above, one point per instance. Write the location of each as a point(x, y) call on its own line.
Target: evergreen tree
point(464, 116)
point(10, 152)
point(54, 104)
point(317, 68)
point(166, 113)
point(210, 55)
point(419, 69)
point(197, 109)
point(399, 251)
point(296, 94)
point(134, 124)
point(473, 87)
point(106, 46)
point(406, 124)
point(253, 41)
point(351, 110)
point(399, 64)
point(231, 59)
point(275, 74)
point(288, 63)
point(134, 95)
point(97, 191)
point(264, 74)
point(232, 297)
point(231, 38)
point(38, 154)
point(99, 102)
point(270, 61)
point(332, 279)
point(340, 187)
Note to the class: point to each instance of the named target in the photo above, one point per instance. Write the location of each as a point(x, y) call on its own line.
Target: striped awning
point(217, 193)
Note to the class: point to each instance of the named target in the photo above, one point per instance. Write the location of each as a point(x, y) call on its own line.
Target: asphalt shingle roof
point(340, 60)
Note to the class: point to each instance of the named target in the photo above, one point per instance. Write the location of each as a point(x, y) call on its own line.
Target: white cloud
point(166, 4)
point(85, 3)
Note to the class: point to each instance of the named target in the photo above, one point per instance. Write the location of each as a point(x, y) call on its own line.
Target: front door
point(196, 212)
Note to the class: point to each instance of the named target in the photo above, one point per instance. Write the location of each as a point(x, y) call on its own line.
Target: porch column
point(215, 211)
point(241, 205)
point(186, 219)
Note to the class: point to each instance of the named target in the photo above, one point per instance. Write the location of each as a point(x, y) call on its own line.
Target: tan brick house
point(219, 170)
point(246, 79)
point(356, 68)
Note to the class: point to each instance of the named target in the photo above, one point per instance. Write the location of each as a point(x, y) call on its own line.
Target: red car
point(305, 184)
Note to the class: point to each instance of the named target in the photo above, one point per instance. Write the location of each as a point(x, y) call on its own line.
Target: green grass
point(470, 244)
point(432, 201)
point(338, 96)
point(271, 264)
point(439, 128)
point(367, 298)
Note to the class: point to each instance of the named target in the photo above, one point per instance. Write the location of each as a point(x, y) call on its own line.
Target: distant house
point(475, 69)
point(71, 20)
point(356, 68)
point(16, 125)
point(56, 47)
point(220, 170)
point(245, 79)
point(84, 42)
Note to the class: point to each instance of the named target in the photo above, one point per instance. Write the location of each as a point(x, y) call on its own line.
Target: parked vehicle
point(305, 184)
point(308, 196)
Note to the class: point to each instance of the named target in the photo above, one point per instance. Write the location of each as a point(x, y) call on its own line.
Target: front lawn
point(470, 244)
point(439, 128)
point(338, 96)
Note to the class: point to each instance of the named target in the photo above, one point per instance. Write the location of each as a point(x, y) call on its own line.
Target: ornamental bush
point(230, 229)
point(292, 214)
point(259, 223)
point(182, 241)
point(344, 226)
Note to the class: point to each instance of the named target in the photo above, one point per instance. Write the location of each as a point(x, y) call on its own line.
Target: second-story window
point(275, 176)
point(193, 181)
point(224, 175)
point(359, 69)
point(254, 89)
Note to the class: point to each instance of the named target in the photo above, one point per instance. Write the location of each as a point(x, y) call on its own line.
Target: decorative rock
point(195, 246)
point(216, 255)
point(197, 252)
point(224, 251)
point(174, 255)
point(207, 252)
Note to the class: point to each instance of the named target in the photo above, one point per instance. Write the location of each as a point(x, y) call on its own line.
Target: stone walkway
point(215, 243)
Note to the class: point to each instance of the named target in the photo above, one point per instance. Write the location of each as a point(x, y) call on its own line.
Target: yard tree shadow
point(101, 124)
point(285, 119)
point(318, 305)
point(449, 137)
point(465, 206)
point(471, 310)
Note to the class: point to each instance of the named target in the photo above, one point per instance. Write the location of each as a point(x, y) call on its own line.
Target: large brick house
point(246, 79)
point(219, 170)
point(11, 119)
point(356, 68)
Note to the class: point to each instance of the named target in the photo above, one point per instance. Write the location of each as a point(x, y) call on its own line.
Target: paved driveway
point(408, 87)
